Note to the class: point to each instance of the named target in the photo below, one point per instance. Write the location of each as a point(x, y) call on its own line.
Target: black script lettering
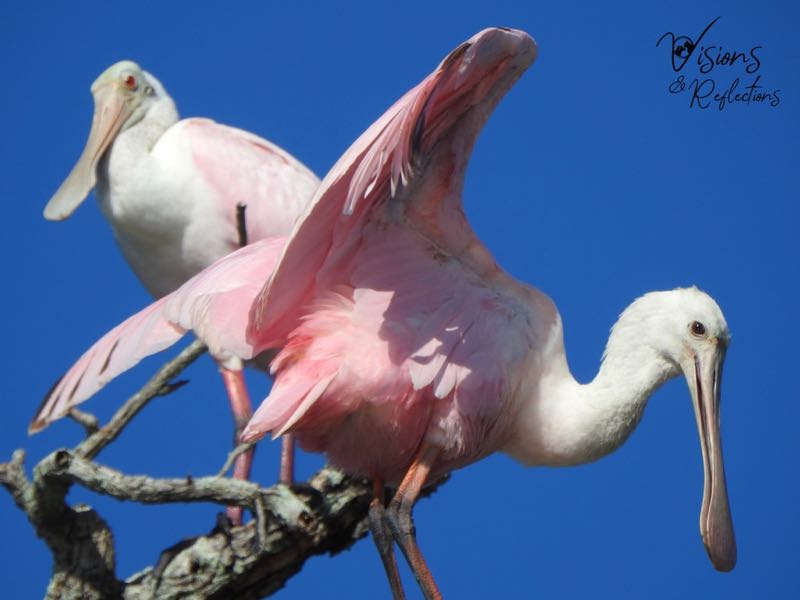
point(753, 87)
point(727, 95)
point(683, 46)
point(755, 66)
point(678, 85)
point(707, 59)
point(705, 66)
point(701, 92)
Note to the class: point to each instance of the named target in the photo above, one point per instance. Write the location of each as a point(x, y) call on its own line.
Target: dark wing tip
point(40, 421)
point(457, 53)
point(36, 426)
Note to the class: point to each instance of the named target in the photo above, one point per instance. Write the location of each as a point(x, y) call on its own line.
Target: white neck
point(134, 144)
point(563, 422)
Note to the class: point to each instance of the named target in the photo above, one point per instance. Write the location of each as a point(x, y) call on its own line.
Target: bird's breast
point(167, 222)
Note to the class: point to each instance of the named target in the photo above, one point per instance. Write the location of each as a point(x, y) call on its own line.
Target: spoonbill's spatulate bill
point(407, 352)
point(171, 188)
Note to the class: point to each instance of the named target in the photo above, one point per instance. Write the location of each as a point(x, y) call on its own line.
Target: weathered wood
point(326, 515)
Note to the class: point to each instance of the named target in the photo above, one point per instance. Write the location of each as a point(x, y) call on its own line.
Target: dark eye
point(698, 328)
point(131, 83)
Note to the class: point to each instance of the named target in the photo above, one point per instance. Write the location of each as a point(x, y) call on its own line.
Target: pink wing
point(404, 341)
point(380, 155)
point(384, 300)
point(246, 169)
point(373, 175)
point(214, 304)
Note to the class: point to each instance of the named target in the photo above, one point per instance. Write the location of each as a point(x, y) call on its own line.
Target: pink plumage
point(214, 304)
point(398, 326)
point(403, 343)
point(406, 351)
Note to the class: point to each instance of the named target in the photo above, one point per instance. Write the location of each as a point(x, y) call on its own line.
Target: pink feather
point(214, 304)
point(396, 324)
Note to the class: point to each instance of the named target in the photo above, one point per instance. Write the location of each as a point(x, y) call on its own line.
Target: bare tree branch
point(252, 561)
point(328, 514)
point(147, 490)
point(12, 477)
point(86, 420)
point(158, 385)
point(233, 455)
point(80, 541)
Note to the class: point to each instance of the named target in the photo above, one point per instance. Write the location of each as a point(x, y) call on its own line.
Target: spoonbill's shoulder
point(242, 168)
point(174, 209)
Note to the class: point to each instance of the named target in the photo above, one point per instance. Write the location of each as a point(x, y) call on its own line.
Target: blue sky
point(591, 181)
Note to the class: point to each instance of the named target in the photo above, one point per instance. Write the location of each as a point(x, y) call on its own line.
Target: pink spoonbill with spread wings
point(172, 190)
point(407, 352)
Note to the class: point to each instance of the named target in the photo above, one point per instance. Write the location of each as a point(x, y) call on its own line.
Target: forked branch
point(327, 514)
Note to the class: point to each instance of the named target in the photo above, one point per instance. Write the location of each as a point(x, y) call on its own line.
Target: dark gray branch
point(241, 224)
point(158, 385)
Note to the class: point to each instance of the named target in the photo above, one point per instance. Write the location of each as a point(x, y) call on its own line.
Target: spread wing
point(409, 164)
point(214, 304)
point(383, 294)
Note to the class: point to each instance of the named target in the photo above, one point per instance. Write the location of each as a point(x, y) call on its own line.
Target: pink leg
point(287, 459)
point(401, 523)
point(242, 411)
point(382, 536)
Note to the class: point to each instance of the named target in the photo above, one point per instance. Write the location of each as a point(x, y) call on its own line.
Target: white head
point(686, 328)
point(665, 321)
point(123, 94)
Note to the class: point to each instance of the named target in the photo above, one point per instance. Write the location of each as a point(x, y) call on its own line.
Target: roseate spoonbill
point(408, 352)
point(171, 188)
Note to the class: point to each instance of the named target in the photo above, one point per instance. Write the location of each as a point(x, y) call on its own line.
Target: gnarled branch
point(326, 514)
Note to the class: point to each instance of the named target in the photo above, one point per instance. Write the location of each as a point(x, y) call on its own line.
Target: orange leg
point(382, 536)
point(242, 411)
point(401, 523)
point(287, 459)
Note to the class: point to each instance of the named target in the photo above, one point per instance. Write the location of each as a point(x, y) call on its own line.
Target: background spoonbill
point(170, 190)
point(407, 352)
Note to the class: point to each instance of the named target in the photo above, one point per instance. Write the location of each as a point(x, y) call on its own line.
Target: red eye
point(130, 81)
